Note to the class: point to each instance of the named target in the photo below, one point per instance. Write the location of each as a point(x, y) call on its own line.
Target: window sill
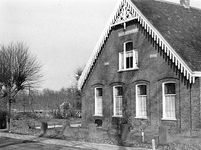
point(169, 119)
point(140, 117)
point(98, 115)
point(130, 69)
point(117, 116)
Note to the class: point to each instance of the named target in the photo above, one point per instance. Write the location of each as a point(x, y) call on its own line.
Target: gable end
point(126, 11)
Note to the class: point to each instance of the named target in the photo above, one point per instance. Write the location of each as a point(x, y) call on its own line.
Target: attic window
point(128, 59)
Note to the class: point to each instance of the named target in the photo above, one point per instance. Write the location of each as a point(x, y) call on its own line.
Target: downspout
point(200, 100)
point(180, 102)
point(191, 127)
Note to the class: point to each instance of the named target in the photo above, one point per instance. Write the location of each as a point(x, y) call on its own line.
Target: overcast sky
point(61, 33)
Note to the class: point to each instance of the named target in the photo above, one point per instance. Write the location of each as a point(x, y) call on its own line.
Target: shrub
point(24, 115)
point(3, 115)
point(63, 113)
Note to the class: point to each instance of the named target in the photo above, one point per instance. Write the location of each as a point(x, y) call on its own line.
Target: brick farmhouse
point(146, 68)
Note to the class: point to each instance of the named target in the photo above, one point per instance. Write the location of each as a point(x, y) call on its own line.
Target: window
point(141, 100)
point(128, 59)
point(169, 93)
point(117, 92)
point(98, 101)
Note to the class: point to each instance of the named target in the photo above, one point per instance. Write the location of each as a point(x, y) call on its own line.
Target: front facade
point(137, 74)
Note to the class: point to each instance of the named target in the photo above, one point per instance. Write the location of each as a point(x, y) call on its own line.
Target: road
point(15, 144)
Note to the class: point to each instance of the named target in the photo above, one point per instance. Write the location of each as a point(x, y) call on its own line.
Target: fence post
point(142, 134)
point(153, 145)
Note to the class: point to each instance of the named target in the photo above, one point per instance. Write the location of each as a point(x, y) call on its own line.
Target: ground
point(183, 144)
point(10, 144)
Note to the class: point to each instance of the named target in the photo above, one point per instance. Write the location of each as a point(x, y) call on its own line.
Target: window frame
point(123, 56)
point(138, 115)
point(114, 102)
point(164, 115)
point(95, 103)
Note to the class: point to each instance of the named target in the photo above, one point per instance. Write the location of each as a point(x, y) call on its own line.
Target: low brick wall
point(91, 133)
point(110, 136)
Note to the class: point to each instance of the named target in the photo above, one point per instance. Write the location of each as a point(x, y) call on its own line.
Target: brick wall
point(154, 69)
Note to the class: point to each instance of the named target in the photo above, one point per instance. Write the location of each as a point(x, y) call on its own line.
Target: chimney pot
point(185, 3)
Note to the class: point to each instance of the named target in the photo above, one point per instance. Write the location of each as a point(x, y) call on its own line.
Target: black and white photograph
point(100, 74)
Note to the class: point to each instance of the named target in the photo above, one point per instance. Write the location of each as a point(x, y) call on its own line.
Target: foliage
point(24, 101)
point(3, 115)
point(57, 113)
point(24, 115)
point(18, 69)
point(78, 73)
point(50, 99)
point(64, 113)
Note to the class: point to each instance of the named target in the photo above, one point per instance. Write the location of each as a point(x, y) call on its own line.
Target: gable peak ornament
point(124, 14)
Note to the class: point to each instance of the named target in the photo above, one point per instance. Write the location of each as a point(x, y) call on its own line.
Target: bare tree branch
point(18, 70)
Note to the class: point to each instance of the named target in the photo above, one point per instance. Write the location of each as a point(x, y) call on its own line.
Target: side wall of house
point(154, 69)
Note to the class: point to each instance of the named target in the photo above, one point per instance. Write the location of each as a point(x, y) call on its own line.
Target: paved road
point(10, 141)
point(16, 144)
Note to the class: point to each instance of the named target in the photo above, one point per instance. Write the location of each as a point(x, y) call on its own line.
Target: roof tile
point(180, 26)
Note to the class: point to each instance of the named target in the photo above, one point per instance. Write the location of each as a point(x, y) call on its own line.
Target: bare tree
point(18, 71)
point(78, 73)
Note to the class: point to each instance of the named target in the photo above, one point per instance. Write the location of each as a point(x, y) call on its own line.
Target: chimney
point(185, 3)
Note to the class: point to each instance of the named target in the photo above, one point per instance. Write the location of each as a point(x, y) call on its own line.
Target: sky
point(60, 33)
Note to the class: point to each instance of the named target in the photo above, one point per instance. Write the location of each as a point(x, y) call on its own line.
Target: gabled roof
point(180, 26)
point(175, 28)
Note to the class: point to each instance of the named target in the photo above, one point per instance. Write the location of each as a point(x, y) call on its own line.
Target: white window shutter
point(99, 106)
point(121, 61)
point(135, 58)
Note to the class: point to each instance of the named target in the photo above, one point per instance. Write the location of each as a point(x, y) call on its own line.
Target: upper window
point(117, 106)
point(98, 101)
point(128, 59)
point(141, 100)
point(169, 94)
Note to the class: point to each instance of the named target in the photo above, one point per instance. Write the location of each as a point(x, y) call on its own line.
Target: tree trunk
point(9, 113)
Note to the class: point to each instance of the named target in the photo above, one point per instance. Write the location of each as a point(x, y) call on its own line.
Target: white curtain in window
point(142, 105)
point(98, 109)
point(170, 105)
point(118, 102)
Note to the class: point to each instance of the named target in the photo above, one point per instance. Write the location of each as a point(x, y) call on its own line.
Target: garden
point(70, 129)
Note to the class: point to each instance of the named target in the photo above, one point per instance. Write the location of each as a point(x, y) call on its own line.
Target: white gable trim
point(125, 11)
